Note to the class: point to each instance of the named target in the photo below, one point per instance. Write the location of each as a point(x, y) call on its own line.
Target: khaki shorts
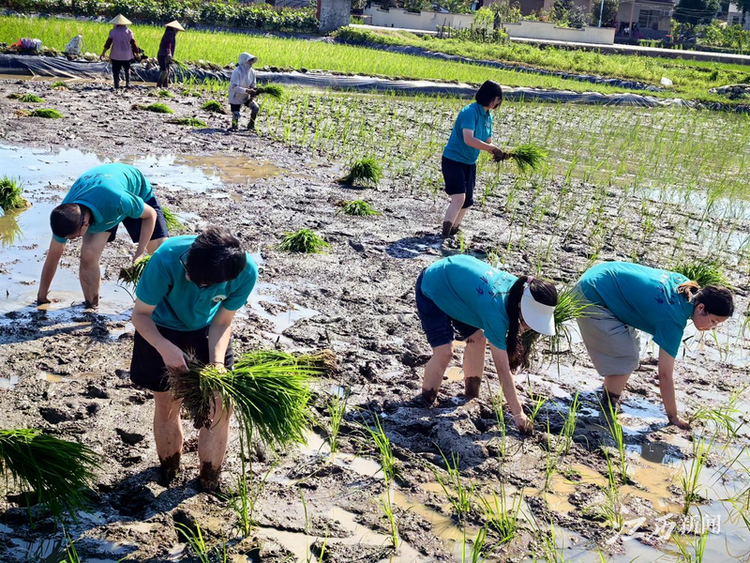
point(612, 345)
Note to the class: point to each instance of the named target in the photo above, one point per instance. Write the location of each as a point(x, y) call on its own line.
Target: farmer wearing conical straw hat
point(242, 91)
point(165, 56)
point(623, 297)
point(124, 48)
point(96, 204)
point(186, 299)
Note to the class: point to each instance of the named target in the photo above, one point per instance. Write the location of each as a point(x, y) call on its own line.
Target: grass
point(358, 208)
point(213, 106)
point(705, 272)
point(54, 471)
point(46, 113)
point(691, 551)
point(27, 98)
point(190, 122)
point(366, 171)
point(173, 223)
point(303, 241)
point(10, 194)
point(132, 274)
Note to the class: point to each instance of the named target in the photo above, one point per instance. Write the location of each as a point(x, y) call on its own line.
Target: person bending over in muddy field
point(464, 295)
point(471, 134)
point(186, 299)
point(242, 86)
point(96, 204)
point(623, 297)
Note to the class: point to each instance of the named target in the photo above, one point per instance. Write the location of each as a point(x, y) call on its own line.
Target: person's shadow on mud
point(32, 323)
point(428, 244)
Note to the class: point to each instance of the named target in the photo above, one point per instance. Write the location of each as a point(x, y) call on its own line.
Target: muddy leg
point(167, 434)
point(614, 385)
point(452, 213)
point(254, 109)
point(89, 274)
point(435, 370)
point(235, 120)
point(458, 220)
point(212, 446)
point(474, 364)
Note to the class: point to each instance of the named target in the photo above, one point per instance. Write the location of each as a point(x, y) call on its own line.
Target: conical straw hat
point(175, 24)
point(121, 20)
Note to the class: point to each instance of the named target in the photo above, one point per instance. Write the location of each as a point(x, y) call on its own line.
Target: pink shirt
point(121, 49)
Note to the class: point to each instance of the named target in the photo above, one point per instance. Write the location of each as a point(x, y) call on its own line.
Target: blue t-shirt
point(180, 303)
point(473, 117)
point(473, 292)
point(642, 297)
point(112, 192)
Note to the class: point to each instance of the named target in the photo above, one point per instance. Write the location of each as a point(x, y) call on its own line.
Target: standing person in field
point(471, 134)
point(242, 91)
point(623, 297)
point(96, 204)
point(124, 48)
point(165, 56)
point(186, 299)
point(464, 295)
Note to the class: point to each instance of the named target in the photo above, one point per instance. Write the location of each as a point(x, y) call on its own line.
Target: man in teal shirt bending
point(96, 204)
point(186, 299)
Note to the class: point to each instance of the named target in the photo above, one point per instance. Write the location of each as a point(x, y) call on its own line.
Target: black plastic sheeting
point(591, 78)
point(26, 65)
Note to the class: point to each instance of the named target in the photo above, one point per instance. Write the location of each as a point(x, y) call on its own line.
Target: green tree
point(696, 12)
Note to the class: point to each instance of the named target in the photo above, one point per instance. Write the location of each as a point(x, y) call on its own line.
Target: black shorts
point(134, 225)
point(147, 367)
point(252, 104)
point(437, 325)
point(460, 178)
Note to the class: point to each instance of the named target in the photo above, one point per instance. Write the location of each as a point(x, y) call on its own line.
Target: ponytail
point(516, 352)
point(689, 289)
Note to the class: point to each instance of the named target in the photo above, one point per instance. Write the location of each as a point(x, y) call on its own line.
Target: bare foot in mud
point(472, 386)
point(429, 396)
point(209, 477)
point(170, 466)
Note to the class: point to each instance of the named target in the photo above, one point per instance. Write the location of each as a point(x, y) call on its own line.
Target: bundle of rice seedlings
point(268, 390)
point(59, 85)
point(189, 121)
point(366, 171)
point(528, 157)
point(10, 194)
point(27, 98)
point(704, 272)
point(273, 90)
point(358, 207)
point(173, 223)
point(304, 240)
point(164, 94)
point(213, 106)
point(54, 470)
point(132, 274)
point(46, 113)
point(158, 108)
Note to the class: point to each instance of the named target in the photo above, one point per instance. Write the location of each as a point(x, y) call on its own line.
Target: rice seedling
point(497, 407)
point(383, 444)
point(46, 113)
point(189, 121)
point(528, 157)
point(366, 171)
point(705, 272)
point(132, 274)
point(501, 516)
point(59, 85)
point(245, 497)
point(55, 471)
point(358, 208)
point(213, 106)
point(303, 241)
point(458, 494)
point(71, 555)
point(173, 223)
point(27, 98)
point(10, 194)
point(194, 538)
point(691, 551)
point(478, 552)
point(164, 94)
point(157, 108)
point(690, 478)
point(537, 402)
point(569, 426)
point(336, 407)
point(386, 505)
point(272, 90)
point(609, 412)
point(551, 553)
point(268, 390)
point(726, 419)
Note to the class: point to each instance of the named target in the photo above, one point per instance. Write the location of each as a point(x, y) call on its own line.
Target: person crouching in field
point(96, 204)
point(471, 134)
point(464, 295)
point(186, 299)
point(623, 297)
point(242, 86)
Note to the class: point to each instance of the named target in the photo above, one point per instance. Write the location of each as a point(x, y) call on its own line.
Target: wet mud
point(64, 368)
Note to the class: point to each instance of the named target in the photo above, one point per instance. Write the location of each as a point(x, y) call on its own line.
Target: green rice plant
point(537, 402)
point(158, 108)
point(173, 223)
point(59, 85)
point(501, 516)
point(46, 113)
point(691, 551)
point(704, 272)
point(726, 418)
point(189, 121)
point(303, 241)
point(458, 494)
point(690, 478)
point(383, 445)
point(132, 274)
point(497, 407)
point(366, 171)
point(336, 407)
point(272, 90)
point(213, 106)
point(358, 207)
point(11, 230)
point(245, 497)
point(194, 538)
point(548, 544)
point(10, 194)
point(569, 426)
point(386, 505)
point(164, 94)
point(71, 555)
point(527, 157)
point(55, 471)
point(478, 552)
point(609, 412)
point(27, 98)
point(268, 390)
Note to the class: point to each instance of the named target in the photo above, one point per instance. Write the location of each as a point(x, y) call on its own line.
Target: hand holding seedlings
point(498, 155)
point(524, 424)
point(174, 358)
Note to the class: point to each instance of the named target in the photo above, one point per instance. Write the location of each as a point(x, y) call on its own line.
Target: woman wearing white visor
point(464, 297)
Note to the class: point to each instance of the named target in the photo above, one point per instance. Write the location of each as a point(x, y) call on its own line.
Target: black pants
point(116, 66)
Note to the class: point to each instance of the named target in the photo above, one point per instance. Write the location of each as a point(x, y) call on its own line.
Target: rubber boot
point(447, 227)
point(251, 123)
point(161, 82)
point(235, 120)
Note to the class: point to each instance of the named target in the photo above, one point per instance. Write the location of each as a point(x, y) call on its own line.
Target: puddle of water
point(454, 374)
point(317, 446)
point(283, 319)
point(230, 169)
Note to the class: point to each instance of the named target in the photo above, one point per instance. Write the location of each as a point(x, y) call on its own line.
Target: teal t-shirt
point(473, 292)
point(473, 117)
point(642, 297)
point(181, 304)
point(112, 192)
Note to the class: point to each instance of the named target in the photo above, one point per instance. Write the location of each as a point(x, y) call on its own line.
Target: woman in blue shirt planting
point(624, 297)
point(464, 296)
point(471, 134)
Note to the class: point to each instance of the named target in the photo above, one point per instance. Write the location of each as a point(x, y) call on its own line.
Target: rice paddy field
point(376, 476)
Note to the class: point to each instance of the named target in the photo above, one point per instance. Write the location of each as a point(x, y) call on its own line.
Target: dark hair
point(216, 256)
point(717, 300)
point(543, 292)
point(66, 219)
point(487, 92)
